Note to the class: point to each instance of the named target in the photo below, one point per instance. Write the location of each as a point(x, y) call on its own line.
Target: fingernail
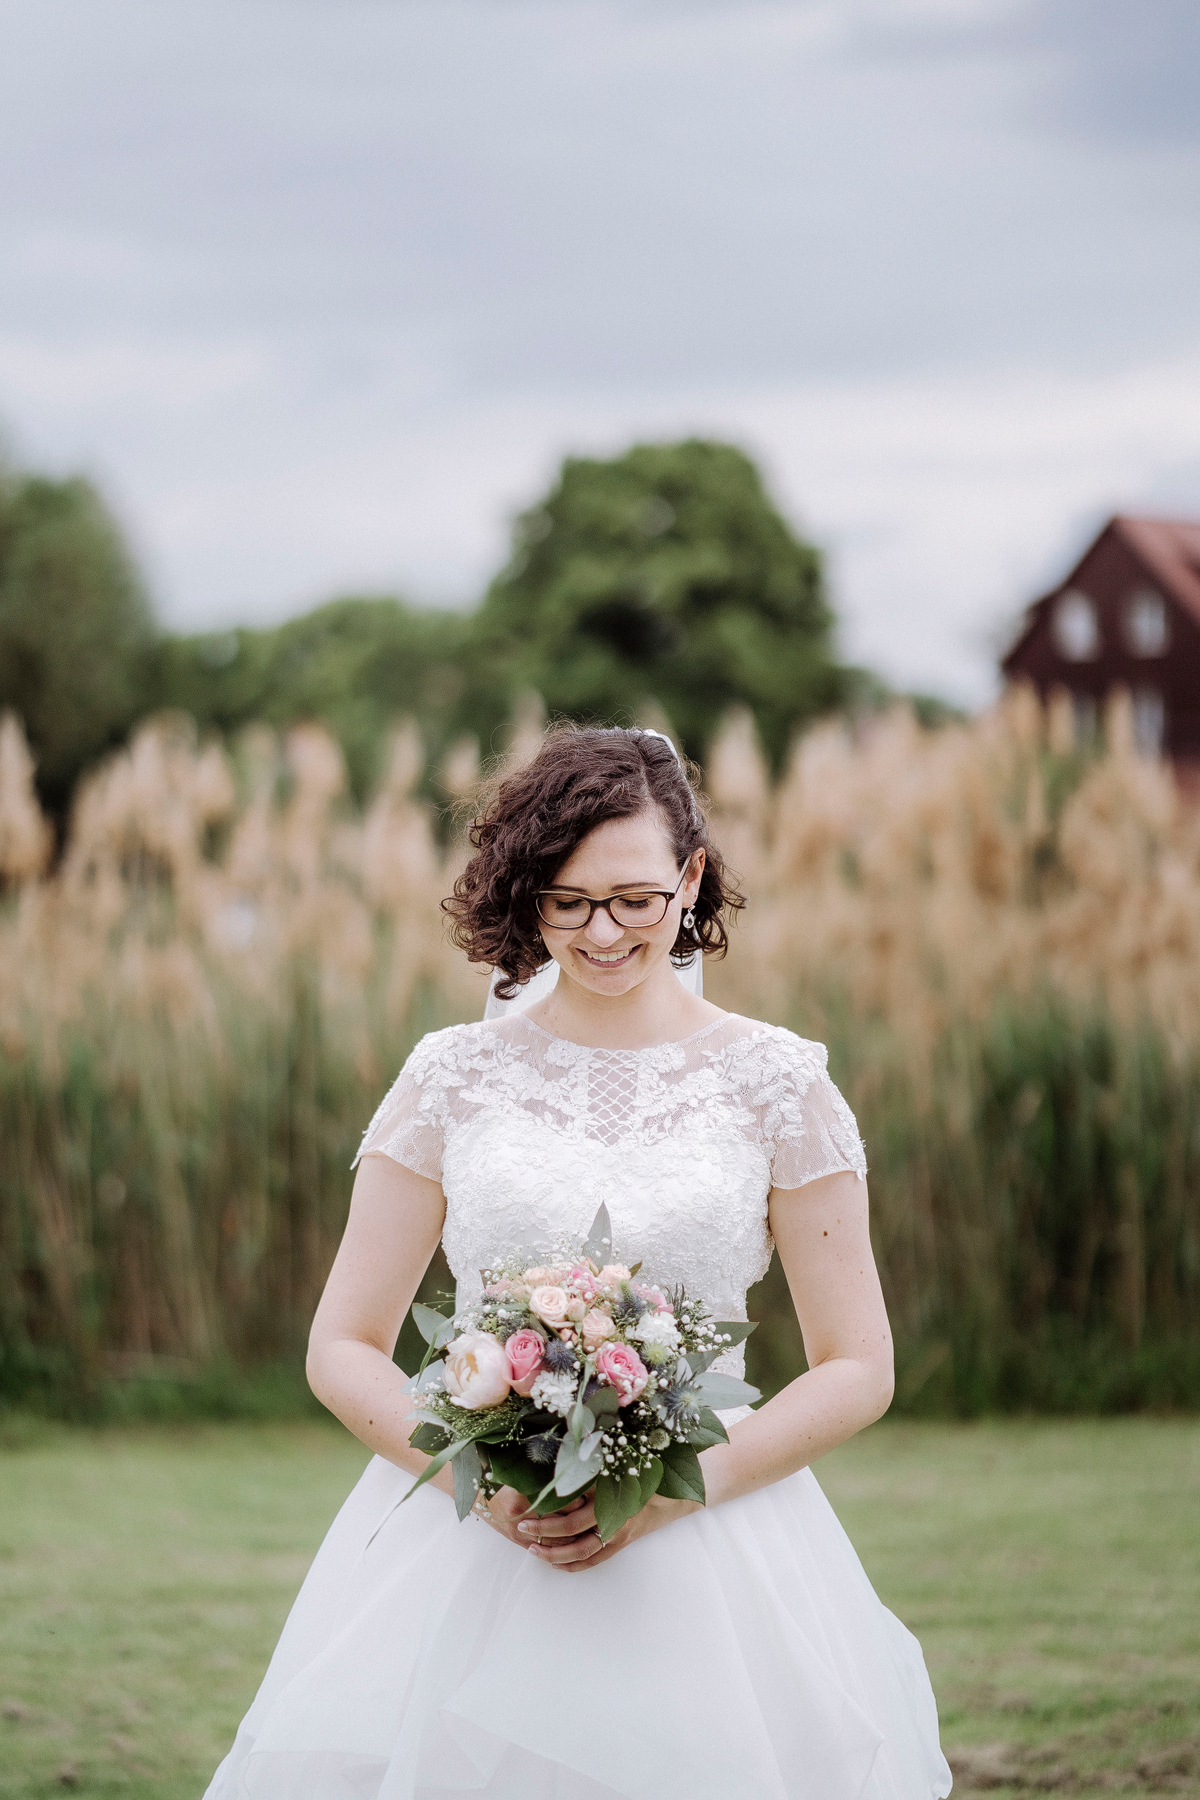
point(524, 1527)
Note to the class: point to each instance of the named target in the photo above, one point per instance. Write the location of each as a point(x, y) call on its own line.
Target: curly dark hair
point(529, 822)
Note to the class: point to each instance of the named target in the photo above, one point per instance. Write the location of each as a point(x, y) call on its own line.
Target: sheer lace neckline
point(640, 1049)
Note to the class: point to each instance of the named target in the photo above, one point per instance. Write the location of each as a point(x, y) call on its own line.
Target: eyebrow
point(626, 887)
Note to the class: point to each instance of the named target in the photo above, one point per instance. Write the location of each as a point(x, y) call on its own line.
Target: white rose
point(553, 1393)
point(476, 1371)
point(656, 1328)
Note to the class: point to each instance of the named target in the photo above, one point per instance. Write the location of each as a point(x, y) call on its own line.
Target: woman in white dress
point(703, 1653)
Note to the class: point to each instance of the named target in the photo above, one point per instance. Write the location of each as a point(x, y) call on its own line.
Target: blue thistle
point(559, 1357)
point(542, 1448)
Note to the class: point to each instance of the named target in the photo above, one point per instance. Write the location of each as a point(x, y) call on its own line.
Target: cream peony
point(476, 1371)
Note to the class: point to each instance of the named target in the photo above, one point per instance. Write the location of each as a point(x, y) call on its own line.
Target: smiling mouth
point(610, 959)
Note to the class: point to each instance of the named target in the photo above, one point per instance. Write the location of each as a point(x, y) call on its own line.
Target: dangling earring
point(689, 920)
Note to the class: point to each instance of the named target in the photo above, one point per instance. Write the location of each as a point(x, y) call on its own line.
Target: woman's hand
point(511, 1515)
point(570, 1539)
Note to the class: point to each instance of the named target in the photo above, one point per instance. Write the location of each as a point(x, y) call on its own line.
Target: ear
point(691, 886)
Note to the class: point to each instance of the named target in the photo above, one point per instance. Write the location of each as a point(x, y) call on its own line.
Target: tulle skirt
point(735, 1653)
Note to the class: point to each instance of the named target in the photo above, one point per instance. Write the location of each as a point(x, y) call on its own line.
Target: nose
point(603, 930)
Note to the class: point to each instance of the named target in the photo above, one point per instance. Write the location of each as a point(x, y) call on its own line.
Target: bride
point(734, 1651)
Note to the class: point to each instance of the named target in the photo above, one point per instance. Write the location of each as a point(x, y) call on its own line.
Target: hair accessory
point(649, 731)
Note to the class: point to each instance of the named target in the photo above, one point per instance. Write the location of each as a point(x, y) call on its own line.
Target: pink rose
point(549, 1304)
point(654, 1295)
point(583, 1280)
point(624, 1369)
point(524, 1349)
point(596, 1327)
point(476, 1371)
point(613, 1273)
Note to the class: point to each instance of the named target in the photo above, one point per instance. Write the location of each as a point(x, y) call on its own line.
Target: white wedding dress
point(736, 1654)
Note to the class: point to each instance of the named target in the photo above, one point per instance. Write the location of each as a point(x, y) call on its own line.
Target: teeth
point(614, 956)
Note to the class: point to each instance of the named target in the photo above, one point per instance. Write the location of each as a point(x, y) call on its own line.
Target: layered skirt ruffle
point(737, 1652)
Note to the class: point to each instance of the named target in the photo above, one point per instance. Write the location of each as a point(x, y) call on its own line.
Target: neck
point(656, 1011)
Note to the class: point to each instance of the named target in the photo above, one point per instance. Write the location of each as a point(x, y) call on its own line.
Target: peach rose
point(549, 1304)
point(476, 1371)
point(613, 1273)
point(596, 1327)
point(625, 1370)
point(524, 1350)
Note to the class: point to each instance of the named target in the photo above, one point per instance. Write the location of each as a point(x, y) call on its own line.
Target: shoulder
point(773, 1053)
point(458, 1047)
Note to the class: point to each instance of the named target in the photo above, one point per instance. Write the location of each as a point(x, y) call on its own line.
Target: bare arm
point(823, 1240)
point(393, 1229)
point(825, 1246)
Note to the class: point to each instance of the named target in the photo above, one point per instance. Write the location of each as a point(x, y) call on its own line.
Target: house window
point(1146, 623)
point(1076, 627)
point(1149, 721)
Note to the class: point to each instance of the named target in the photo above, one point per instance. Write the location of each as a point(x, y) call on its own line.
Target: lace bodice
point(528, 1133)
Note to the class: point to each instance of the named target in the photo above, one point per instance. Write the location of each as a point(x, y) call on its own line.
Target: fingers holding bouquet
point(573, 1400)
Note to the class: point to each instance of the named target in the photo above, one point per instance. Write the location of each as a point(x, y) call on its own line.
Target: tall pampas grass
point(203, 998)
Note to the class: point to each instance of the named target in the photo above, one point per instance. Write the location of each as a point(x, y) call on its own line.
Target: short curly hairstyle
point(529, 822)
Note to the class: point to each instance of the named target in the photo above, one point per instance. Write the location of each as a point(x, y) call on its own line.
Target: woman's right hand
point(505, 1511)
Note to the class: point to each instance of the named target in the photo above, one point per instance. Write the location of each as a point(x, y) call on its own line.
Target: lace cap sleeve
point(410, 1121)
point(811, 1130)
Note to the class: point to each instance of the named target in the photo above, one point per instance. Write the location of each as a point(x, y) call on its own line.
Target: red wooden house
point(1128, 615)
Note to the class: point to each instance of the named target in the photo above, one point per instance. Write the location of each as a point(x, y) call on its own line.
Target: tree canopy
point(75, 626)
point(662, 578)
point(665, 573)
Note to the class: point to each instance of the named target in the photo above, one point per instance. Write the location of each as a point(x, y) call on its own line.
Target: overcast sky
point(321, 290)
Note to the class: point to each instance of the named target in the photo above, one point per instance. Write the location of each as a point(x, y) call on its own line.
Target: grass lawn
point(1051, 1570)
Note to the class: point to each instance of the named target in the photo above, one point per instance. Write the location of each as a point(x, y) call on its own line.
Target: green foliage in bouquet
point(572, 1406)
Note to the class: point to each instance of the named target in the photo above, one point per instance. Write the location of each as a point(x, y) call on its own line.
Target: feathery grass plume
point(997, 933)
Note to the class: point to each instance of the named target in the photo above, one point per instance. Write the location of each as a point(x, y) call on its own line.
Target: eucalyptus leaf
point(650, 1480)
point(438, 1462)
point(708, 1430)
point(635, 1268)
point(467, 1472)
point(725, 1390)
point(581, 1422)
point(738, 1329)
point(429, 1438)
point(615, 1503)
point(682, 1478)
point(573, 1471)
point(603, 1400)
point(698, 1360)
point(598, 1246)
point(432, 1325)
point(514, 1470)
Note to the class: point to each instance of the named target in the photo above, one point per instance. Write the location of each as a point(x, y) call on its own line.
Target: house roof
point(1167, 549)
point(1170, 551)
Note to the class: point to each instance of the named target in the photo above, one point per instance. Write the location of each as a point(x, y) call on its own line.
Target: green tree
point(75, 627)
point(354, 664)
point(667, 573)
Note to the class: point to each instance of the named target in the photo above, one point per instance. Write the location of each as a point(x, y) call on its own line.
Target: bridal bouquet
point(568, 1373)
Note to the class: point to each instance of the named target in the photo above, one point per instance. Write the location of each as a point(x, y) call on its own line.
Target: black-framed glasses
point(640, 906)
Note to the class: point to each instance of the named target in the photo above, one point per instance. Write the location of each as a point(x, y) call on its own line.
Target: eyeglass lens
point(571, 910)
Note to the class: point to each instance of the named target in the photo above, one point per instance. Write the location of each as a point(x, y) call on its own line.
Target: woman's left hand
point(571, 1541)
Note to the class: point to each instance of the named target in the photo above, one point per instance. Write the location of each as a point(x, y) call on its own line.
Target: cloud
point(322, 290)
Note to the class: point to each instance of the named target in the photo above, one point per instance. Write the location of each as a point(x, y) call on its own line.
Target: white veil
point(690, 973)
